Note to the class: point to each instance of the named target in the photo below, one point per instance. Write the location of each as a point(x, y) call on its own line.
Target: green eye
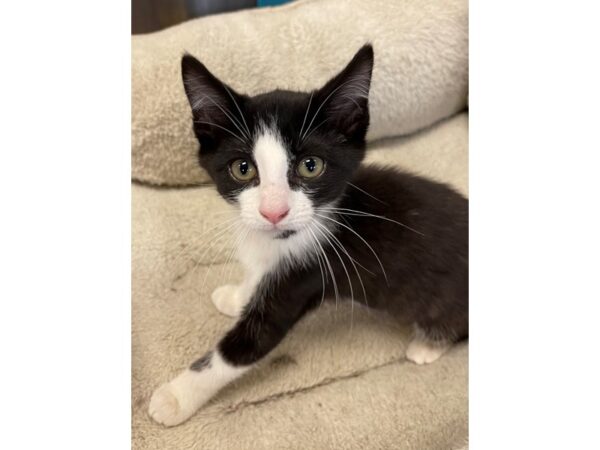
point(311, 167)
point(242, 170)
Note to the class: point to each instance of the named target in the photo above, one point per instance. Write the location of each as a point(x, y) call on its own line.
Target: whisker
point(313, 130)
point(319, 257)
point(366, 193)
point(352, 100)
point(220, 213)
point(353, 212)
point(352, 260)
point(238, 225)
point(232, 119)
point(224, 129)
point(342, 248)
point(362, 239)
point(335, 287)
point(200, 291)
point(223, 233)
point(340, 245)
point(234, 253)
point(239, 110)
point(230, 255)
point(306, 113)
point(343, 265)
point(351, 80)
point(188, 248)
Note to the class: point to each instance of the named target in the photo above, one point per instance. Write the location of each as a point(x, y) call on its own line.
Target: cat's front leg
point(259, 330)
point(176, 401)
point(231, 299)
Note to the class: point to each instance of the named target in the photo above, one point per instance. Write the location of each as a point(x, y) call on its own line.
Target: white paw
point(228, 300)
point(421, 352)
point(177, 400)
point(168, 407)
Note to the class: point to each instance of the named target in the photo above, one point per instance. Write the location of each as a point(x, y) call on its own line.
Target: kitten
point(320, 226)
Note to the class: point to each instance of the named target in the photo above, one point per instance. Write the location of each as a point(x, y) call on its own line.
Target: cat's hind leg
point(424, 349)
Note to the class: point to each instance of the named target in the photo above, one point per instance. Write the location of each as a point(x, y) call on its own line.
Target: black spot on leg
point(202, 363)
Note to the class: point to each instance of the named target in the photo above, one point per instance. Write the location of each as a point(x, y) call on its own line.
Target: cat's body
point(318, 226)
point(424, 251)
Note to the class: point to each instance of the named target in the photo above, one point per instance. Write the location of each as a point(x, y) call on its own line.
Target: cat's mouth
point(285, 234)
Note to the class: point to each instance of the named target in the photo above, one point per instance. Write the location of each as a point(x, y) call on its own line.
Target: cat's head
point(280, 155)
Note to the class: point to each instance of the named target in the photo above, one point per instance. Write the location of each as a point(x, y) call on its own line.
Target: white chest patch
point(261, 251)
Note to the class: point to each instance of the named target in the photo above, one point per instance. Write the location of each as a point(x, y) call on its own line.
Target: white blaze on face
point(272, 160)
point(272, 205)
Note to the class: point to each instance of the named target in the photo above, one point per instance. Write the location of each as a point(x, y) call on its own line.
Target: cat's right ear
point(215, 107)
point(344, 99)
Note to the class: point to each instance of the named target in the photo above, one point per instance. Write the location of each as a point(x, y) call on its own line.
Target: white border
point(65, 225)
point(65, 232)
point(535, 228)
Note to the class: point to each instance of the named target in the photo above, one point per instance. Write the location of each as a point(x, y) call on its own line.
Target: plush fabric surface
point(420, 74)
point(339, 379)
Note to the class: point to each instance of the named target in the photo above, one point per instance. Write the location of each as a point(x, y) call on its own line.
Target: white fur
point(423, 352)
point(272, 163)
point(176, 401)
point(230, 299)
point(260, 253)
point(271, 157)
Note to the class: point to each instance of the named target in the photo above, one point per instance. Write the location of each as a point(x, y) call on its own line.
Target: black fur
point(420, 236)
point(340, 144)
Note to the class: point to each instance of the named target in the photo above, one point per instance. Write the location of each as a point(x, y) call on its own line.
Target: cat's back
point(421, 201)
point(418, 228)
point(408, 219)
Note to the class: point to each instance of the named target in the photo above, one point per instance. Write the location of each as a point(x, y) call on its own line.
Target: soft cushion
point(338, 380)
point(420, 74)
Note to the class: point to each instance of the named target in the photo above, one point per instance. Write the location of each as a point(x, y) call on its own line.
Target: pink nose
point(274, 215)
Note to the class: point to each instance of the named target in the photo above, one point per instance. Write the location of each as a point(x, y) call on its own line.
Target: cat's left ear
point(345, 98)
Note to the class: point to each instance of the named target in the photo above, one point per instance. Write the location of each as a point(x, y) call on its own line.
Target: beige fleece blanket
point(339, 380)
point(420, 74)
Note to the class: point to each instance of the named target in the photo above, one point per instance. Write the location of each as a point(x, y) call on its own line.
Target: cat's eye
point(311, 167)
point(242, 170)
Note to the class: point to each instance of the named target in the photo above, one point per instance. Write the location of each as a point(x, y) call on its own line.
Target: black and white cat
point(319, 226)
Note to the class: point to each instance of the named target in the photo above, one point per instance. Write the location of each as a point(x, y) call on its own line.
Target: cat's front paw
point(228, 300)
point(167, 408)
